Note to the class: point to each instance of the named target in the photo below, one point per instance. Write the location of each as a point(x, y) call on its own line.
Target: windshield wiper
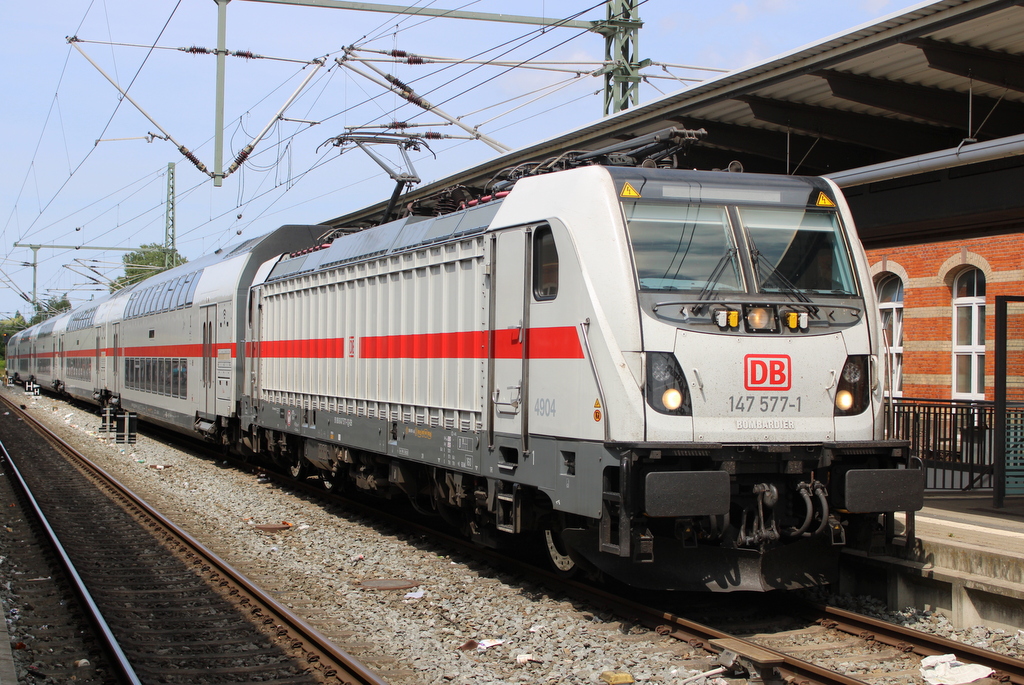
point(785, 285)
point(713, 279)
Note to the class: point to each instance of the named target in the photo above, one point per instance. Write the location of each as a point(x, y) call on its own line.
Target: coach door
point(253, 366)
point(225, 360)
point(100, 362)
point(115, 371)
point(508, 352)
point(208, 391)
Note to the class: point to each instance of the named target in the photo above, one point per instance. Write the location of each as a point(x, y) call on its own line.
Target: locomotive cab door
point(509, 322)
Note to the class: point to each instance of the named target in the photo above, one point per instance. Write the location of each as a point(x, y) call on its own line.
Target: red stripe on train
point(544, 343)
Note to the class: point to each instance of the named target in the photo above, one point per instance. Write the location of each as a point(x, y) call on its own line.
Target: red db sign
point(767, 372)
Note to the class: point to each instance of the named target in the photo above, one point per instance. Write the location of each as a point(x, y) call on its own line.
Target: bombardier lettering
point(764, 424)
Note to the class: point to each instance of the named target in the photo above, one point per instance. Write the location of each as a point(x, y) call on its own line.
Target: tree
point(9, 327)
point(148, 260)
point(51, 307)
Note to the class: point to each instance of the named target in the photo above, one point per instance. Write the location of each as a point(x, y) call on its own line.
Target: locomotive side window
point(798, 249)
point(545, 264)
point(683, 247)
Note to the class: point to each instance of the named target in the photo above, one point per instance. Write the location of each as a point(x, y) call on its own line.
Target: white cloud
point(874, 7)
point(741, 11)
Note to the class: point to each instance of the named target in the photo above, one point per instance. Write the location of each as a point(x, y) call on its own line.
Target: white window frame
point(974, 349)
point(893, 349)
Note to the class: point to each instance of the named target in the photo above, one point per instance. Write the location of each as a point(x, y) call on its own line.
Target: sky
point(81, 166)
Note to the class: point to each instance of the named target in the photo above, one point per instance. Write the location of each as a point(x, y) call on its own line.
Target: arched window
point(890, 305)
point(969, 335)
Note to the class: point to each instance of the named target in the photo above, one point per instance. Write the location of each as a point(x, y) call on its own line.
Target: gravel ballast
point(461, 623)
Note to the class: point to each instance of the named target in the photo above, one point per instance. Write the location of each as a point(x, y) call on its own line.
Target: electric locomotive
point(673, 375)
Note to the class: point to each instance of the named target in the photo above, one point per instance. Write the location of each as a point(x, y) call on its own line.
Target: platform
point(967, 561)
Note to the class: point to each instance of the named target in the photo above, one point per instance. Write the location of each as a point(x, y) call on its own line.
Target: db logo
point(767, 372)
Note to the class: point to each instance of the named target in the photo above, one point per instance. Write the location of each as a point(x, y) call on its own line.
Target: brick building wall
point(928, 272)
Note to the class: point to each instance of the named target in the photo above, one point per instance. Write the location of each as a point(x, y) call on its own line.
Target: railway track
point(173, 611)
point(832, 646)
point(825, 646)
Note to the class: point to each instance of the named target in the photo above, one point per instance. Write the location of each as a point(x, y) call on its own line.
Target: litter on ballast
point(523, 659)
point(944, 669)
point(487, 644)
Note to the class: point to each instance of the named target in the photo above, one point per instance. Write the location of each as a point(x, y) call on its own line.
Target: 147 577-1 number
point(765, 404)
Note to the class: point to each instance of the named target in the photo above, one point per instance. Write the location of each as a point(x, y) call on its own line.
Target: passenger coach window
point(545, 264)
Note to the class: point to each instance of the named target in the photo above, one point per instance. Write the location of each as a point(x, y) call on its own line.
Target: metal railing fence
point(953, 438)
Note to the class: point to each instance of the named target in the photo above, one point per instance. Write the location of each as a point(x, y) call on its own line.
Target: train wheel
point(329, 480)
point(558, 554)
point(299, 468)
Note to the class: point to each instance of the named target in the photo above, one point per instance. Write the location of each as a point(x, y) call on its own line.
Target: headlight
point(853, 394)
point(844, 400)
point(761, 319)
point(672, 399)
point(666, 389)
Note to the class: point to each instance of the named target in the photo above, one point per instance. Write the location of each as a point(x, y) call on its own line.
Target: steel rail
point(792, 669)
point(1007, 668)
point(351, 670)
point(795, 671)
point(126, 672)
point(700, 636)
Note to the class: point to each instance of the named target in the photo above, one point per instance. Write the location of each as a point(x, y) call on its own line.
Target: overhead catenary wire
point(522, 40)
point(42, 130)
point(533, 32)
point(155, 47)
point(259, 192)
point(107, 125)
point(403, 89)
point(195, 50)
point(564, 66)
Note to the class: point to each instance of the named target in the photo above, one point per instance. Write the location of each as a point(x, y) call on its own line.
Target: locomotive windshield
point(681, 247)
point(797, 249)
point(694, 247)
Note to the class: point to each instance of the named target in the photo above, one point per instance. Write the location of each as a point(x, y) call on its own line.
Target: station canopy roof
point(939, 78)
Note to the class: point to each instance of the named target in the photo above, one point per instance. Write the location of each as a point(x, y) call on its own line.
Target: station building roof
point(934, 88)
